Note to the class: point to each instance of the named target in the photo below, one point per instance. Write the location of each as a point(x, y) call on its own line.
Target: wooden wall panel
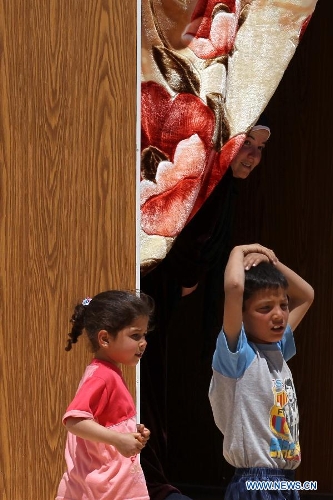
point(67, 211)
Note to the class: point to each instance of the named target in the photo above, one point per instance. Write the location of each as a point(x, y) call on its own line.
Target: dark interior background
point(287, 205)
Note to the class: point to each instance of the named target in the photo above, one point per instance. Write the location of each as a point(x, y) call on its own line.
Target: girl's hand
point(129, 444)
point(145, 433)
point(253, 259)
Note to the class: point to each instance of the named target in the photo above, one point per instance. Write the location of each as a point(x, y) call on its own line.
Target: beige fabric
point(231, 57)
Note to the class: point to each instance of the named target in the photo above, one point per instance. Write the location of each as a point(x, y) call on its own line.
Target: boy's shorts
point(259, 483)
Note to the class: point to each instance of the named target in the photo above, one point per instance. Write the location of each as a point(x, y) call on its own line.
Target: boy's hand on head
point(253, 259)
point(256, 248)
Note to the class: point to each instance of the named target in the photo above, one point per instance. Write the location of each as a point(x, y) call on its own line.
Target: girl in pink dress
point(104, 439)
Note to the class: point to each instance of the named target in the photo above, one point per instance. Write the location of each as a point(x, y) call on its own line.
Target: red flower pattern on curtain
point(205, 83)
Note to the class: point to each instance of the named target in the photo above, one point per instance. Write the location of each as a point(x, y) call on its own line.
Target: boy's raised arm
point(233, 296)
point(300, 293)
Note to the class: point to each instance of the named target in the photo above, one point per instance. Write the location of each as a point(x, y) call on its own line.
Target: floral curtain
point(209, 68)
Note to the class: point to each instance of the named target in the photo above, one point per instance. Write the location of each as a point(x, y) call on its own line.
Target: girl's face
point(250, 153)
point(129, 345)
point(265, 315)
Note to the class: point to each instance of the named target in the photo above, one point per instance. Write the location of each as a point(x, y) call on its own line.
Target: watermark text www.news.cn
point(281, 485)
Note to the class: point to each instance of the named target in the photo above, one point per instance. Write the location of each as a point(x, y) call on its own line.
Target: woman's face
point(249, 155)
point(174, 17)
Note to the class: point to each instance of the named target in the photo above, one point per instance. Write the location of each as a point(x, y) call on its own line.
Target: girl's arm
point(128, 444)
point(300, 293)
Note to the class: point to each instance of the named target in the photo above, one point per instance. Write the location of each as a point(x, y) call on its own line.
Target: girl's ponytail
point(77, 321)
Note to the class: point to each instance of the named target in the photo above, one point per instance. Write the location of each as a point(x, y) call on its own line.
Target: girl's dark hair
point(263, 276)
point(112, 311)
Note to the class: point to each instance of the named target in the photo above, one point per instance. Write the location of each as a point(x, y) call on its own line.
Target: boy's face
point(265, 315)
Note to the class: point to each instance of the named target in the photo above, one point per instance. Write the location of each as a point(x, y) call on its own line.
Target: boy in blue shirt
point(252, 391)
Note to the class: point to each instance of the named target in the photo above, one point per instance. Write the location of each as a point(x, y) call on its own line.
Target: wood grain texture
point(67, 211)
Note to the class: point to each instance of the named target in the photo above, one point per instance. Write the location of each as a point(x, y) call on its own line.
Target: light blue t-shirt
point(254, 402)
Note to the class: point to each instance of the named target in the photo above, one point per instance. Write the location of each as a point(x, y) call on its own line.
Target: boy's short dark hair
point(263, 276)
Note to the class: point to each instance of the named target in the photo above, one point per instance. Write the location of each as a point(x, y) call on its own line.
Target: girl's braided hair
point(111, 310)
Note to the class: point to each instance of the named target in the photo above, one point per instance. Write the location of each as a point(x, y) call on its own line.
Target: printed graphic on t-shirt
point(284, 421)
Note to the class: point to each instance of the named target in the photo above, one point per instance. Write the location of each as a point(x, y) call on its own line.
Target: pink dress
point(97, 471)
